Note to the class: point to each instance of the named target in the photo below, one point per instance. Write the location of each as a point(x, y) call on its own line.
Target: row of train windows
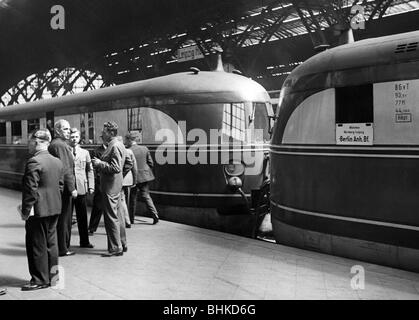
point(33, 124)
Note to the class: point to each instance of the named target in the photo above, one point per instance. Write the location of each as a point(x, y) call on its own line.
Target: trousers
point(81, 215)
point(144, 191)
point(41, 248)
point(97, 210)
point(114, 222)
point(64, 223)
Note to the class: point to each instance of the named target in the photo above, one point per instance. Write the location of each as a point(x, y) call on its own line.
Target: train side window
point(91, 127)
point(355, 104)
point(33, 124)
point(16, 132)
point(82, 129)
point(134, 119)
point(2, 132)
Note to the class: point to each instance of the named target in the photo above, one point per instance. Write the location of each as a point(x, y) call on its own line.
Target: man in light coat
point(85, 184)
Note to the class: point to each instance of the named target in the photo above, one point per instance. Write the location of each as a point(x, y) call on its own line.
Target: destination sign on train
point(354, 133)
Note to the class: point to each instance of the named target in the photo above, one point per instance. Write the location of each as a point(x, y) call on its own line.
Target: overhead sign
point(354, 134)
point(189, 53)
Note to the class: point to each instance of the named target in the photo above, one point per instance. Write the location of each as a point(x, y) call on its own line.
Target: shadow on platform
point(13, 225)
point(12, 282)
point(12, 252)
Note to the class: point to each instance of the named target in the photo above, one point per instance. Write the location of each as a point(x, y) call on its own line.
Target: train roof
point(364, 53)
point(185, 87)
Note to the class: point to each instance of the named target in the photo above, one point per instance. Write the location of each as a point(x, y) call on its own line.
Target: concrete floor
point(173, 261)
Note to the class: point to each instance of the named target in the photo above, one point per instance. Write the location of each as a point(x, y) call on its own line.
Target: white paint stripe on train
point(331, 216)
point(356, 155)
point(289, 146)
point(198, 194)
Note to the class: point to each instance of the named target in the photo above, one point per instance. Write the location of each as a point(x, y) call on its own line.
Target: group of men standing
point(59, 175)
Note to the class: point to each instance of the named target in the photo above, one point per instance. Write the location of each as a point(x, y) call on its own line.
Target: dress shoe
point(128, 226)
point(89, 245)
point(155, 220)
point(125, 249)
point(68, 253)
point(113, 254)
point(34, 286)
point(91, 233)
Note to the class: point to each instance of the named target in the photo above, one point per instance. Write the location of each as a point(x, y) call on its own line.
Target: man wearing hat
point(43, 183)
point(144, 176)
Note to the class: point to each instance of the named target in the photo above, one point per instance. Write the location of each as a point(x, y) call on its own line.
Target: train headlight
point(235, 182)
point(234, 169)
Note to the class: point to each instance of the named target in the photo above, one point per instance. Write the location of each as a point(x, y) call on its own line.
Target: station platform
point(170, 261)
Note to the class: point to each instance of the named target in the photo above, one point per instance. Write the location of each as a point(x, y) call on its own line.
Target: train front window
point(354, 104)
point(261, 122)
point(234, 123)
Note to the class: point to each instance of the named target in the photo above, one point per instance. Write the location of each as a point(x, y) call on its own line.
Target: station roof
point(137, 39)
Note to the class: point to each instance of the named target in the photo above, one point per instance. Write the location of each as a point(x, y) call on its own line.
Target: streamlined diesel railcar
point(208, 132)
point(345, 153)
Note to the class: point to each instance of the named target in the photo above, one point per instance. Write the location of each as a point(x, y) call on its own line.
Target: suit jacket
point(42, 185)
point(83, 170)
point(97, 153)
point(144, 163)
point(131, 177)
point(60, 149)
point(111, 167)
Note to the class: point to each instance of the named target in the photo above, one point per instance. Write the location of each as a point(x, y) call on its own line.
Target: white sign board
point(354, 134)
point(189, 53)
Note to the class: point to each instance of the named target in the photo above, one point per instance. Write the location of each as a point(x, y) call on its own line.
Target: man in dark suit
point(43, 183)
point(111, 167)
point(97, 209)
point(59, 148)
point(144, 175)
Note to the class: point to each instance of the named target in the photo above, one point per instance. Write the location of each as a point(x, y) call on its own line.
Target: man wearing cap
point(42, 185)
point(111, 167)
point(144, 176)
point(60, 149)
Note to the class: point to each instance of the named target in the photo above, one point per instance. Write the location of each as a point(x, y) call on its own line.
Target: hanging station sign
point(189, 53)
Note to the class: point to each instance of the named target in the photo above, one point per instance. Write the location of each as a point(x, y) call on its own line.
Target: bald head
point(62, 129)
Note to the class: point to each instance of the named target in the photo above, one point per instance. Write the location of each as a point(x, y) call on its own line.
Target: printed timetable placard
point(354, 134)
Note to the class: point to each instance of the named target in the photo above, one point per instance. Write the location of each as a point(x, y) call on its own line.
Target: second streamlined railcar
point(345, 153)
point(208, 133)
